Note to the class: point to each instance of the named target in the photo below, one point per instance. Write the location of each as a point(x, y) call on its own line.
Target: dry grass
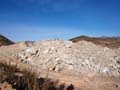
point(26, 80)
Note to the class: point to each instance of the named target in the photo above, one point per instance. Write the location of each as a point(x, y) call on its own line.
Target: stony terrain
point(85, 65)
point(60, 55)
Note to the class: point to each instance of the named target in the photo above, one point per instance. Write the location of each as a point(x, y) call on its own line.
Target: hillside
point(82, 65)
point(111, 42)
point(5, 41)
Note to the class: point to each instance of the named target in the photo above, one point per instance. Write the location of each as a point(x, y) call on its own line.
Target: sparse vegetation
point(5, 41)
point(110, 42)
point(25, 80)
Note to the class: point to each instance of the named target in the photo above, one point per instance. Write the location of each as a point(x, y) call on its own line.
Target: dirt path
point(91, 81)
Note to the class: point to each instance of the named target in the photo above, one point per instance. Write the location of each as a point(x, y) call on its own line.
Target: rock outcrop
point(60, 55)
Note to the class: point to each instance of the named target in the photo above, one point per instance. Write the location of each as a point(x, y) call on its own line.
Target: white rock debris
point(58, 55)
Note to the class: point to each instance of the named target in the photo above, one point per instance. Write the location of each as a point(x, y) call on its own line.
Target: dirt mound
point(110, 42)
point(60, 55)
point(83, 64)
point(5, 41)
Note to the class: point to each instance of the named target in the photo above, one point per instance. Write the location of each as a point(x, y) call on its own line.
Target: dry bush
point(26, 80)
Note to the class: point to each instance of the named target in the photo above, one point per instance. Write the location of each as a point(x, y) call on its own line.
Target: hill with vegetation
point(111, 42)
point(5, 41)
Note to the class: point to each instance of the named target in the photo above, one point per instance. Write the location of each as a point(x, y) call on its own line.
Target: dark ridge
point(110, 42)
point(5, 41)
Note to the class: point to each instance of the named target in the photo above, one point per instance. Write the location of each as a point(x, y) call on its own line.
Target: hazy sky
point(44, 19)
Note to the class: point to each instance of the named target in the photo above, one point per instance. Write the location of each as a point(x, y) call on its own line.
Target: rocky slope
point(60, 55)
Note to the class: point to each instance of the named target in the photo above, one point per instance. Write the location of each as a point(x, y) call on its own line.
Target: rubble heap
point(58, 55)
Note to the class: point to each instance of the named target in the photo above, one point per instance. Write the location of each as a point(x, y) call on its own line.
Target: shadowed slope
point(5, 41)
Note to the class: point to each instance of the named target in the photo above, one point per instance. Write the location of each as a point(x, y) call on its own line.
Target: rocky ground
point(85, 65)
point(59, 55)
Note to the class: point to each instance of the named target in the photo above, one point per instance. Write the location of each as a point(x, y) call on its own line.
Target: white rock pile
point(58, 55)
